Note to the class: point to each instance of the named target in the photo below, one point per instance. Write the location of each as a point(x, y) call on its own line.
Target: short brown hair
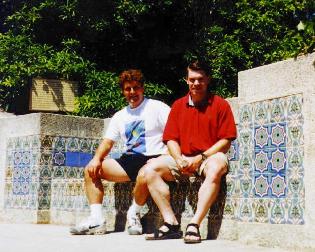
point(131, 75)
point(199, 66)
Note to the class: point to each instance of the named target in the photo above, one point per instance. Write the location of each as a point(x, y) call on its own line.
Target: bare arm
point(101, 152)
point(174, 149)
point(222, 145)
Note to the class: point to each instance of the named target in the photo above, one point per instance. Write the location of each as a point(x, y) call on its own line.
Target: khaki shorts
point(169, 161)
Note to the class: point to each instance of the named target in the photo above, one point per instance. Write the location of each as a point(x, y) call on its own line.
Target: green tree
point(92, 41)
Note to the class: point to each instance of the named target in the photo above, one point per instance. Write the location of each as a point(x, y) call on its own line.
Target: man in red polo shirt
point(198, 133)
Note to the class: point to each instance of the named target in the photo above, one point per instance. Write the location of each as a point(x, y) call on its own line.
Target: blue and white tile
point(261, 113)
point(85, 145)
point(246, 187)
point(278, 213)
point(278, 186)
point(295, 133)
point(296, 211)
point(261, 186)
point(295, 107)
point(296, 188)
point(59, 144)
point(245, 211)
point(278, 110)
point(246, 116)
point(230, 209)
point(72, 144)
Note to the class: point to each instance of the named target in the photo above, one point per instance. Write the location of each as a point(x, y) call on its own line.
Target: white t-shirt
point(141, 128)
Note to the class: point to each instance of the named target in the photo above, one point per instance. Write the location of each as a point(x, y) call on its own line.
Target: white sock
point(135, 207)
point(96, 211)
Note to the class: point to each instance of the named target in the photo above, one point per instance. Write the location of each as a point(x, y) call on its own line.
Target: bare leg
point(141, 191)
point(156, 173)
point(208, 191)
point(111, 171)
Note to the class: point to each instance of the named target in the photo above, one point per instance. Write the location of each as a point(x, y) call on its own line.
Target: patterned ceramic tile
point(245, 211)
point(230, 209)
point(245, 138)
point(261, 210)
point(278, 186)
point(295, 133)
point(22, 156)
point(296, 187)
point(85, 145)
point(296, 211)
point(295, 107)
point(233, 153)
point(33, 161)
point(246, 187)
point(246, 163)
point(261, 113)
point(59, 144)
point(278, 214)
point(72, 144)
point(231, 185)
point(271, 157)
point(246, 116)
point(278, 110)
point(261, 186)
point(233, 167)
point(46, 142)
point(295, 160)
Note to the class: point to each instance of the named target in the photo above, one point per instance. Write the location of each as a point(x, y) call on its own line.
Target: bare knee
point(151, 170)
point(214, 171)
point(141, 179)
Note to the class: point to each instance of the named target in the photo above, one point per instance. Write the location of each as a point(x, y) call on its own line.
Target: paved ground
point(51, 238)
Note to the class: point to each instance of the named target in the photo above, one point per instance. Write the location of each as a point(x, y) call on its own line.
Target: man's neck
point(197, 101)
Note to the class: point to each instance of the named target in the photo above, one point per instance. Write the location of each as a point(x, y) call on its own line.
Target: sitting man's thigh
point(216, 165)
point(111, 170)
point(160, 165)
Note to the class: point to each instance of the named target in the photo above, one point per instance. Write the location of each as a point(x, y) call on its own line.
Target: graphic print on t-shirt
point(135, 135)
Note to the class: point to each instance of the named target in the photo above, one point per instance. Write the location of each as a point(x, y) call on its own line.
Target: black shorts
point(132, 163)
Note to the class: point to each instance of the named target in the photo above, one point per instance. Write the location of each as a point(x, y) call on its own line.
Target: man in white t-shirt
point(140, 125)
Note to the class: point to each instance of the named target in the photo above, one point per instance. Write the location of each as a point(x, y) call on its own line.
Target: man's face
point(198, 83)
point(133, 92)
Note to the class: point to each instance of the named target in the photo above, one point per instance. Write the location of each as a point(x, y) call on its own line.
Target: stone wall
point(41, 153)
point(271, 193)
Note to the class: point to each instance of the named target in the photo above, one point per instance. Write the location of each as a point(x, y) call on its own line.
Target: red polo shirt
point(197, 129)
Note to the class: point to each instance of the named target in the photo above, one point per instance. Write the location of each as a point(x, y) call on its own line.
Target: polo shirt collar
point(191, 103)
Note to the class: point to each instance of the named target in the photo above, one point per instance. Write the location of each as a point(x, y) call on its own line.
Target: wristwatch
point(203, 157)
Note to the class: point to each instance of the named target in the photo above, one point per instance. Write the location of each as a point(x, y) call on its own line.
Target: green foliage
point(103, 95)
point(245, 34)
point(21, 60)
point(92, 41)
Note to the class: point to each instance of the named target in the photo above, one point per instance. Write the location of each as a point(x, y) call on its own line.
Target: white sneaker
point(90, 226)
point(134, 224)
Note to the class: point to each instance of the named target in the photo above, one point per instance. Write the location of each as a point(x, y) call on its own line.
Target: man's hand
point(193, 164)
point(93, 167)
point(181, 163)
